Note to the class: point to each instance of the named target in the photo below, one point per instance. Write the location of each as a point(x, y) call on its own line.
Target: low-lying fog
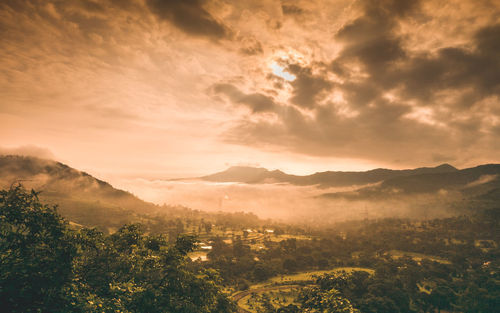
point(283, 201)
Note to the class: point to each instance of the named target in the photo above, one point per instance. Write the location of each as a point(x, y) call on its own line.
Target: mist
point(289, 203)
point(28, 150)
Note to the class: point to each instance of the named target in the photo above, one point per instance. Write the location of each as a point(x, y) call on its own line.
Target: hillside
point(248, 175)
point(434, 188)
point(87, 201)
point(253, 175)
point(480, 182)
point(80, 197)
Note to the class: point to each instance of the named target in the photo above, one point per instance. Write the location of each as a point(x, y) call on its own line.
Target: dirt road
point(237, 297)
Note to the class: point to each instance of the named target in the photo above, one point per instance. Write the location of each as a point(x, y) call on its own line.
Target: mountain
point(253, 175)
point(430, 186)
point(249, 175)
point(476, 182)
point(84, 200)
point(432, 182)
point(80, 197)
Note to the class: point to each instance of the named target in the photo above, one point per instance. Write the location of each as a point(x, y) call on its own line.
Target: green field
point(308, 276)
point(198, 255)
point(281, 295)
point(278, 238)
point(417, 256)
point(278, 298)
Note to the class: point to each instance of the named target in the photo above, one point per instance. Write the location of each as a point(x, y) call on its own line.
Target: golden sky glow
point(164, 88)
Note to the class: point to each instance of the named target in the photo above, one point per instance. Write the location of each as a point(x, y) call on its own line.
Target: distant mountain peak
point(446, 166)
point(256, 175)
point(245, 174)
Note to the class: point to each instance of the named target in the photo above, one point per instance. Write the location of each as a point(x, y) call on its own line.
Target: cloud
point(251, 46)
point(28, 150)
point(257, 102)
point(290, 9)
point(482, 180)
point(373, 41)
point(190, 16)
point(307, 88)
point(379, 97)
point(390, 82)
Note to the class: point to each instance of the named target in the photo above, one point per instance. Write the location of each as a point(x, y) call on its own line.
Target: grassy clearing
point(426, 287)
point(417, 256)
point(284, 295)
point(485, 245)
point(256, 246)
point(202, 255)
point(278, 238)
point(308, 276)
point(278, 298)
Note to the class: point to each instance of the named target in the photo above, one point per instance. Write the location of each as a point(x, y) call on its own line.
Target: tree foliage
point(317, 299)
point(46, 267)
point(36, 254)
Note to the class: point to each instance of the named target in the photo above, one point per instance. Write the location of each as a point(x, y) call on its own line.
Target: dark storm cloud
point(307, 87)
point(455, 69)
point(251, 46)
point(372, 40)
point(189, 16)
point(378, 133)
point(290, 9)
point(397, 101)
point(487, 40)
point(257, 102)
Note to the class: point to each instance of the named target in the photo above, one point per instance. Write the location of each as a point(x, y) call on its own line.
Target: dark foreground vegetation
point(46, 267)
point(386, 265)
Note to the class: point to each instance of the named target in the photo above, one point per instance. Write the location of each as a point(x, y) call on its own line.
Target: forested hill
point(90, 202)
point(253, 175)
point(81, 197)
point(59, 180)
point(477, 183)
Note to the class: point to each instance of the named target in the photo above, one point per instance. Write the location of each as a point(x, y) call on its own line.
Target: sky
point(162, 88)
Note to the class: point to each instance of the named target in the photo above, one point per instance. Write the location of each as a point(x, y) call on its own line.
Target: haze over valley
point(324, 197)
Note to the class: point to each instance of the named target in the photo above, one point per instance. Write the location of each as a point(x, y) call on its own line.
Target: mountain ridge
point(80, 197)
point(478, 182)
point(470, 182)
point(256, 175)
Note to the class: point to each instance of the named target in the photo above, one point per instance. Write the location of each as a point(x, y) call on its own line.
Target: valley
point(374, 264)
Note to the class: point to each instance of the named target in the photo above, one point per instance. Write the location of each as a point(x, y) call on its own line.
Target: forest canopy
point(48, 267)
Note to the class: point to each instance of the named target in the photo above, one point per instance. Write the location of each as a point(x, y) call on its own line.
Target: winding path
point(237, 297)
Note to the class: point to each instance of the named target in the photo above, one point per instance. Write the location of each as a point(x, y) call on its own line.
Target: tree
point(441, 297)
point(35, 254)
point(46, 267)
point(291, 308)
point(316, 299)
point(132, 272)
point(262, 272)
point(290, 265)
point(208, 227)
point(375, 304)
point(266, 305)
